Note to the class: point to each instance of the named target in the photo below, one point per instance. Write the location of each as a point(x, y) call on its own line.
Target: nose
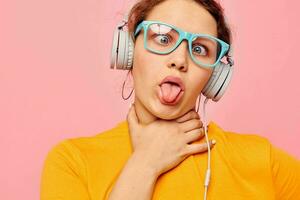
point(179, 57)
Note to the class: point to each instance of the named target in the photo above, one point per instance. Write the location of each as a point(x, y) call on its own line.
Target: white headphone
point(122, 57)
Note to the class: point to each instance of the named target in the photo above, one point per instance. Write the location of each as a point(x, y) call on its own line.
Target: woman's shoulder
point(110, 138)
point(237, 138)
point(241, 147)
point(70, 162)
point(248, 147)
point(76, 155)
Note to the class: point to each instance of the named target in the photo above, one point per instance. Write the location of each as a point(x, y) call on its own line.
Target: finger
point(132, 118)
point(198, 148)
point(189, 115)
point(191, 125)
point(194, 135)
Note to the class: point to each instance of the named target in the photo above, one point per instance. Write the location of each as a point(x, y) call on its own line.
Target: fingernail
point(130, 104)
point(213, 141)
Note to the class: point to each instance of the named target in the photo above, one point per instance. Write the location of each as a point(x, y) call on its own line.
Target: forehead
point(185, 14)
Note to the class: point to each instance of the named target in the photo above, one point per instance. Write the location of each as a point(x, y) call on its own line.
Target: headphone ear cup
point(122, 50)
point(122, 45)
point(212, 80)
point(218, 82)
point(114, 48)
point(130, 52)
point(225, 84)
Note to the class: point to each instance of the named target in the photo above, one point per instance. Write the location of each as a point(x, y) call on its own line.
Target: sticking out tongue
point(169, 91)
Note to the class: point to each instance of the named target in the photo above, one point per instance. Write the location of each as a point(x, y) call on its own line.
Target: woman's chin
point(166, 112)
point(170, 112)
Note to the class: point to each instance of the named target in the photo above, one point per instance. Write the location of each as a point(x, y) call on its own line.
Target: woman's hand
point(163, 144)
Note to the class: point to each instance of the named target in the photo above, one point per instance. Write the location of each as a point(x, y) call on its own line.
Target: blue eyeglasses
point(162, 38)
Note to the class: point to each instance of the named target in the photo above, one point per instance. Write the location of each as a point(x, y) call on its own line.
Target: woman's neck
point(143, 115)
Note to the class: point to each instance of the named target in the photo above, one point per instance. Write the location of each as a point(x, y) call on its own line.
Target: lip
point(173, 79)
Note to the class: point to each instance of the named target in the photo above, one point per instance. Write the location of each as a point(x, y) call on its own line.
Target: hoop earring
point(198, 102)
point(123, 88)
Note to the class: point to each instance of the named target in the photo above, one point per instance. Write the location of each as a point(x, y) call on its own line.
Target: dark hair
point(141, 9)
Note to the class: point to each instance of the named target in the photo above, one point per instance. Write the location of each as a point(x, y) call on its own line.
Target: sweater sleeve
point(286, 174)
point(64, 174)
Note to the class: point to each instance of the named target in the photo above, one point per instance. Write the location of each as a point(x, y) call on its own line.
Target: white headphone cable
point(207, 175)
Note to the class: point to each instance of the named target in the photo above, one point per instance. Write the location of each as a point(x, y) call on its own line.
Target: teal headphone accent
point(122, 57)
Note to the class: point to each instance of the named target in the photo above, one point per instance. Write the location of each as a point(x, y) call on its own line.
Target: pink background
point(55, 80)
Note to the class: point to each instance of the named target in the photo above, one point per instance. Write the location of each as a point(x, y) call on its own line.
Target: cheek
point(144, 71)
point(140, 65)
point(196, 82)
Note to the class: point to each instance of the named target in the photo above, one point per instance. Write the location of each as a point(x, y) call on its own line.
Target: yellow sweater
point(242, 167)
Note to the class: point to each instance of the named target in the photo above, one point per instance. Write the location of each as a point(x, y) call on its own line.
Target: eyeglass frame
point(182, 35)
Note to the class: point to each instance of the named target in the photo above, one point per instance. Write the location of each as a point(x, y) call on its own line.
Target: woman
point(160, 152)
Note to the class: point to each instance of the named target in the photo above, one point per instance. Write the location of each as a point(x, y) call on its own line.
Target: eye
point(162, 39)
point(199, 50)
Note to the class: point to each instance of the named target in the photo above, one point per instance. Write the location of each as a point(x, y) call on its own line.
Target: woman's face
point(149, 69)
